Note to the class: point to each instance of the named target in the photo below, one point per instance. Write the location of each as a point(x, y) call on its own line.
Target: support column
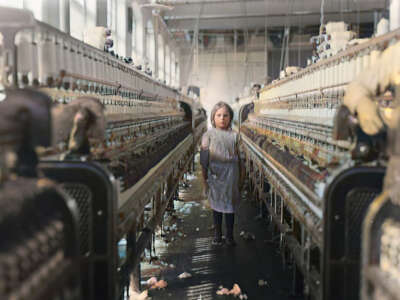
point(101, 15)
point(156, 32)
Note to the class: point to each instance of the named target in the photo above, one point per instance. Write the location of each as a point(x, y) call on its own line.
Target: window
point(117, 23)
point(110, 13)
point(91, 12)
point(139, 38)
point(120, 32)
point(77, 18)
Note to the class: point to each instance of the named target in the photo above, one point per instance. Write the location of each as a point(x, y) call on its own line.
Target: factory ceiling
point(248, 14)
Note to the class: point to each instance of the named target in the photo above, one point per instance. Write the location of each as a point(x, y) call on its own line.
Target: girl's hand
point(205, 188)
point(241, 185)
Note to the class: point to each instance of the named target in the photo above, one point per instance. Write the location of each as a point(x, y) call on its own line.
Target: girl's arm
point(205, 177)
point(204, 161)
point(242, 171)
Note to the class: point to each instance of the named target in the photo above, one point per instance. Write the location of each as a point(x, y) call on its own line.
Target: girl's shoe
point(230, 242)
point(217, 241)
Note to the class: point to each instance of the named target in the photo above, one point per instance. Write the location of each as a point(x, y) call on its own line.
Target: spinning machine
point(315, 170)
point(121, 143)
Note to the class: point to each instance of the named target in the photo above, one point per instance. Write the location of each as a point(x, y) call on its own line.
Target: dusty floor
point(189, 249)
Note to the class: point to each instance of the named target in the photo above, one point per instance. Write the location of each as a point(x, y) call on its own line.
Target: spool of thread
point(67, 55)
point(73, 61)
point(374, 56)
point(335, 27)
point(47, 61)
point(382, 27)
point(359, 64)
point(25, 58)
point(366, 61)
point(342, 35)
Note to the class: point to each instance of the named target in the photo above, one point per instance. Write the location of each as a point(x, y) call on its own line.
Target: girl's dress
point(223, 169)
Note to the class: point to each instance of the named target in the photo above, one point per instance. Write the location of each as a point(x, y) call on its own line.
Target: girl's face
point(222, 118)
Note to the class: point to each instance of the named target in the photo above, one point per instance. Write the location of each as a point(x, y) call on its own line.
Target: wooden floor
point(190, 250)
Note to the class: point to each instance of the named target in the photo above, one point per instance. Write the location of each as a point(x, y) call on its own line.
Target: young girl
point(220, 162)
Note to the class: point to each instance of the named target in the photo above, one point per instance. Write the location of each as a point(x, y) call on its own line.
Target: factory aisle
point(189, 249)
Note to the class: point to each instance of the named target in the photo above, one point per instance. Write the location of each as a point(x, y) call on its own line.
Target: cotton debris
point(223, 291)
point(235, 291)
point(153, 283)
point(159, 285)
point(184, 275)
point(262, 282)
point(248, 236)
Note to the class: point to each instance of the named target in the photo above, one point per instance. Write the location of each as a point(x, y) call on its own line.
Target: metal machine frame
point(93, 189)
point(347, 200)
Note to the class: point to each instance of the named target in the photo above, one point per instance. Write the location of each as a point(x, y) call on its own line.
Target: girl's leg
point(229, 222)
point(218, 226)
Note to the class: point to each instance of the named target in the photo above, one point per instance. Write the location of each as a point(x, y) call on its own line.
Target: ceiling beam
point(237, 22)
point(196, 2)
point(283, 15)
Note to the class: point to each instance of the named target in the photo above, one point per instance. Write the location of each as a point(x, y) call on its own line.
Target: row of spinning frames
point(321, 177)
point(82, 154)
